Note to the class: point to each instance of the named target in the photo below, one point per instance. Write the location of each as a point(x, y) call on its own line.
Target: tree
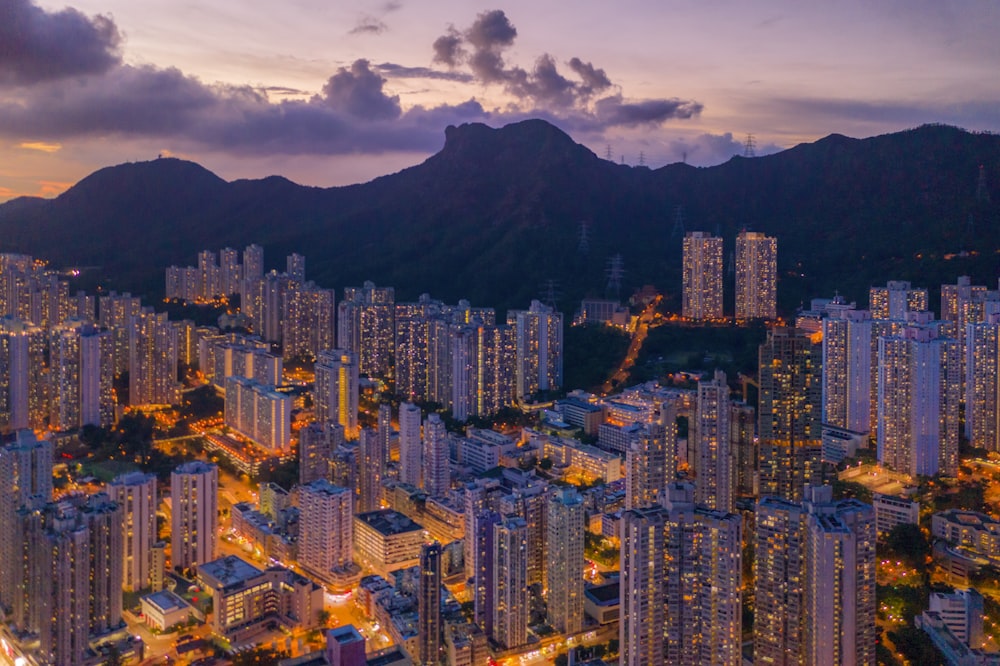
point(260, 656)
point(114, 657)
point(324, 617)
point(907, 542)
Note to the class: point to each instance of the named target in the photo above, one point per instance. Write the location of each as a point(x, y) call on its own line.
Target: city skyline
point(333, 94)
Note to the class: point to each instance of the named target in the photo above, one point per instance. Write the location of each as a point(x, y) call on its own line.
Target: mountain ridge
point(497, 212)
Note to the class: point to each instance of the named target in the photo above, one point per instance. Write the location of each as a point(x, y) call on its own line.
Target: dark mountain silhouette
point(497, 212)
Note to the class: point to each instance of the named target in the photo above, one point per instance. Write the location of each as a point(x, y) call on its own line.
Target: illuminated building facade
point(702, 276)
point(336, 390)
point(756, 276)
point(650, 464)
point(81, 382)
point(918, 399)
point(366, 326)
point(510, 609)
point(436, 470)
point(259, 413)
point(152, 357)
point(895, 299)
point(847, 370)
point(982, 383)
point(789, 423)
point(326, 527)
point(565, 560)
point(410, 445)
point(429, 605)
point(538, 335)
point(712, 454)
point(135, 493)
point(23, 376)
point(194, 490)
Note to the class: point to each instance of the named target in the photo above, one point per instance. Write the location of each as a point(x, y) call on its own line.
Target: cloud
point(392, 70)
point(545, 91)
point(448, 48)
point(358, 92)
point(41, 146)
point(36, 45)
point(710, 149)
point(368, 25)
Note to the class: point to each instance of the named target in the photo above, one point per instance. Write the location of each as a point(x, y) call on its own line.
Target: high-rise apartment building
point(135, 493)
point(372, 457)
point(538, 335)
point(115, 313)
point(194, 501)
point(756, 276)
point(23, 376)
point(702, 276)
point(510, 571)
point(711, 453)
point(847, 370)
point(815, 581)
point(680, 588)
point(152, 364)
point(789, 413)
point(410, 445)
point(918, 399)
point(650, 464)
point(307, 327)
point(962, 304)
point(25, 475)
point(259, 413)
point(743, 441)
point(436, 471)
point(337, 388)
point(429, 606)
point(317, 442)
point(81, 381)
point(895, 299)
point(366, 326)
point(564, 560)
point(982, 383)
point(326, 532)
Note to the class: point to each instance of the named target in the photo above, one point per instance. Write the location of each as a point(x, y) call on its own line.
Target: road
point(646, 318)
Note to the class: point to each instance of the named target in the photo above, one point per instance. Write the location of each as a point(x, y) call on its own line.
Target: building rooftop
point(606, 594)
point(388, 522)
point(226, 571)
point(165, 601)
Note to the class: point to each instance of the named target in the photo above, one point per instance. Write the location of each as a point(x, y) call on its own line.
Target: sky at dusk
point(330, 93)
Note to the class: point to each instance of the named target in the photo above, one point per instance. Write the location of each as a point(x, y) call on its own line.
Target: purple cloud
point(36, 45)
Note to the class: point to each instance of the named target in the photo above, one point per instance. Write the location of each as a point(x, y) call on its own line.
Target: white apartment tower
point(713, 456)
point(918, 399)
point(337, 388)
point(847, 370)
point(194, 491)
point(538, 333)
point(410, 445)
point(326, 527)
point(702, 276)
point(982, 383)
point(756, 276)
point(510, 582)
point(135, 493)
point(564, 560)
point(650, 464)
point(436, 471)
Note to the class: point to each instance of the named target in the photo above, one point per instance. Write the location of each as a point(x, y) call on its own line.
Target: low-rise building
point(969, 531)
point(164, 609)
point(891, 511)
point(246, 600)
point(386, 540)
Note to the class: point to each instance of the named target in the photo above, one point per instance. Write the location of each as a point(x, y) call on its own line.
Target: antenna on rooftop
point(750, 147)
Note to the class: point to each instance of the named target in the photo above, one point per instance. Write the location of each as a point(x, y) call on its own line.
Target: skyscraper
point(429, 605)
point(317, 442)
point(23, 376)
point(680, 588)
point(436, 472)
point(982, 383)
point(756, 276)
point(564, 560)
point(336, 390)
point(918, 391)
point(366, 326)
point(372, 458)
point(510, 570)
point(847, 370)
point(789, 413)
point(152, 360)
point(194, 489)
point(815, 581)
point(410, 445)
point(538, 346)
point(713, 456)
point(895, 299)
point(650, 464)
point(702, 276)
point(135, 493)
point(25, 474)
point(326, 533)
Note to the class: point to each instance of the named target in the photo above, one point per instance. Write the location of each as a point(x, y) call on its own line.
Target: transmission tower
point(608, 155)
point(750, 147)
point(678, 230)
point(615, 271)
point(642, 158)
point(684, 156)
point(584, 246)
point(982, 191)
point(550, 292)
